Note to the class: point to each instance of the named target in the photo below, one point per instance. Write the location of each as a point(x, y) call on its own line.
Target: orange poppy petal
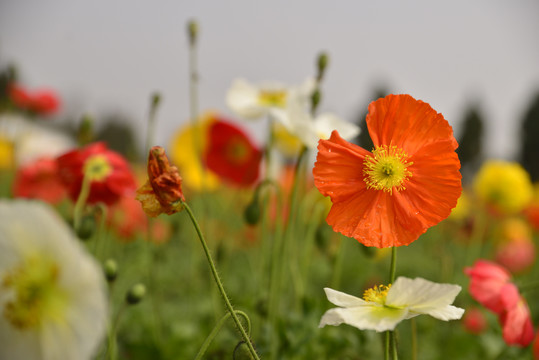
point(408, 123)
point(338, 171)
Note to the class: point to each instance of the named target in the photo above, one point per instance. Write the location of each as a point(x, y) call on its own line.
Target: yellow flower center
point(97, 168)
point(377, 294)
point(272, 98)
point(36, 294)
point(386, 169)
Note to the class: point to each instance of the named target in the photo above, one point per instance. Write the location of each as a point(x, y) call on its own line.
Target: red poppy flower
point(109, 173)
point(231, 155)
point(488, 282)
point(39, 180)
point(517, 327)
point(43, 102)
point(490, 285)
point(162, 192)
point(474, 321)
point(408, 183)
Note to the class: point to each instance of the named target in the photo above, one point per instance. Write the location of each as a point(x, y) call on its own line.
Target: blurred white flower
point(52, 292)
point(254, 101)
point(32, 140)
point(297, 119)
point(383, 307)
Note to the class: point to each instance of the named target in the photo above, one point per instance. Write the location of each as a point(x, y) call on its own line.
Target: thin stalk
point(216, 330)
point(220, 286)
point(390, 335)
point(393, 266)
point(414, 339)
point(81, 201)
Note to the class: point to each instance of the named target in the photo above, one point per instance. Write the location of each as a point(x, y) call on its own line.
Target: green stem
point(111, 350)
point(81, 201)
point(390, 335)
point(220, 286)
point(386, 345)
point(216, 330)
point(414, 339)
point(393, 266)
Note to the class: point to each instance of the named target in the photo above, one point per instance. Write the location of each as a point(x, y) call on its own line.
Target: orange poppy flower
point(408, 183)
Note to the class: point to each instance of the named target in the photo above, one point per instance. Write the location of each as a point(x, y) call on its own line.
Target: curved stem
point(220, 286)
point(216, 330)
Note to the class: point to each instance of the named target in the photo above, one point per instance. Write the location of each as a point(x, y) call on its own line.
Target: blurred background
point(106, 57)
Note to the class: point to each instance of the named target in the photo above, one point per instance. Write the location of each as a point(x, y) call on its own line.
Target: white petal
point(445, 313)
point(325, 124)
point(422, 296)
point(242, 98)
point(366, 317)
point(343, 299)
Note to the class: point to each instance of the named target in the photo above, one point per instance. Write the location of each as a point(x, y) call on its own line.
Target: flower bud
point(252, 212)
point(192, 31)
point(322, 63)
point(85, 132)
point(156, 99)
point(135, 294)
point(111, 270)
point(86, 228)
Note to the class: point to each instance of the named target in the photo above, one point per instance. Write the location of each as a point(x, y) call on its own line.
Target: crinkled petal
point(425, 297)
point(366, 317)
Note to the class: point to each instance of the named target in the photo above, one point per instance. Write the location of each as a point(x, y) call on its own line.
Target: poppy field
point(390, 238)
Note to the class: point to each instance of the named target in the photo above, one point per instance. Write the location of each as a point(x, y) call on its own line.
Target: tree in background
point(470, 139)
point(529, 151)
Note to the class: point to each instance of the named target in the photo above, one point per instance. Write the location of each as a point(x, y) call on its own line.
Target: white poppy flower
point(32, 140)
point(382, 308)
point(296, 118)
point(52, 292)
point(255, 101)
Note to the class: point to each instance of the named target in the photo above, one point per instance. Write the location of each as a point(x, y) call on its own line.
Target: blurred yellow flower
point(6, 154)
point(184, 156)
point(463, 208)
point(503, 185)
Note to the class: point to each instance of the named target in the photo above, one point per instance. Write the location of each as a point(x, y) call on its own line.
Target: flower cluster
point(491, 286)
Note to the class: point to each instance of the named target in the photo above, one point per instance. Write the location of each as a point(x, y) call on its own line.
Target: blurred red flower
point(474, 321)
point(42, 102)
point(536, 347)
point(127, 217)
point(490, 285)
point(231, 155)
point(108, 172)
point(488, 281)
point(39, 180)
point(516, 321)
point(408, 183)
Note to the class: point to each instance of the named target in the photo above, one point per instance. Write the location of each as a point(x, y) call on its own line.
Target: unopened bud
point(156, 99)
point(252, 212)
point(85, 133)
point(135, 294)
point(315, 99)
point(86, 228)
point(322, 63)
point(111, 270)
point(192, 31)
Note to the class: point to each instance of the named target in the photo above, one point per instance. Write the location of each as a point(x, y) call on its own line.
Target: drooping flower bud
point(111, 270)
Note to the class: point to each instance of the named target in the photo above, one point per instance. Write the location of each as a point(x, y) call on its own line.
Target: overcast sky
point(109, 56)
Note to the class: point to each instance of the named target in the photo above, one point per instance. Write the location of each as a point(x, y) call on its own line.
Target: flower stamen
point(376, 294)
point(386, 169)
